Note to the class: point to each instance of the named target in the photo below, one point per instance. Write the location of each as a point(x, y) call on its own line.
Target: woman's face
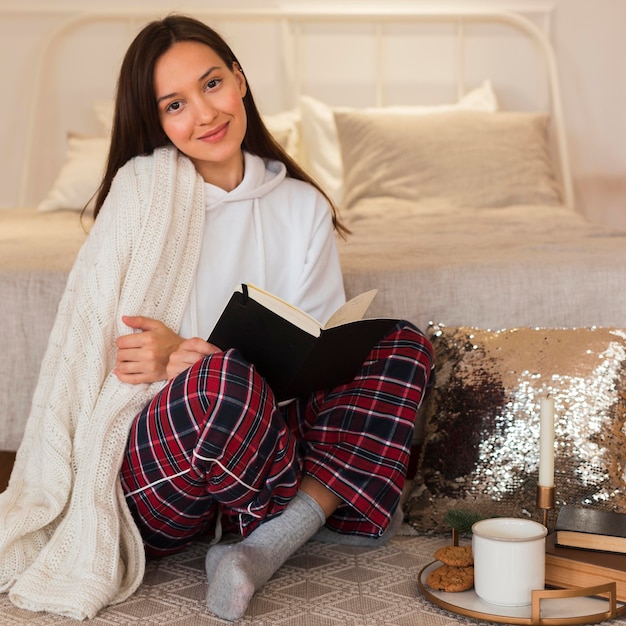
point(200, 102)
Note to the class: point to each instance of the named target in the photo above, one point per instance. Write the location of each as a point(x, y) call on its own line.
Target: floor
point(6, 464)
point(320, 585)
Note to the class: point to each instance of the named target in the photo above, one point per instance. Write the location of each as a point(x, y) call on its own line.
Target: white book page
point(289, 312)
point(352, 310)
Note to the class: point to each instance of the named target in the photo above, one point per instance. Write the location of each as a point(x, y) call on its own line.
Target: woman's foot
point(236, 571)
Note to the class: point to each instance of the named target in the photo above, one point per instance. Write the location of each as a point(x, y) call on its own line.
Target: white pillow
point(285, 127)
point(320, 150)
point(80, 175)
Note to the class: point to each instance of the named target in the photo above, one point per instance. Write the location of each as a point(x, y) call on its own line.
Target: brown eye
point(212, 84)
point(174, 106)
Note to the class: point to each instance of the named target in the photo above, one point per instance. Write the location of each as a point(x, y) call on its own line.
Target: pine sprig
point(462, 521)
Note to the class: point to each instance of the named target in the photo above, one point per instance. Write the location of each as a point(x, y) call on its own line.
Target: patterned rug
point(321, 585)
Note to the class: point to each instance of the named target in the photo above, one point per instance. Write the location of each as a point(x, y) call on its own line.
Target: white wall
point(589, 47)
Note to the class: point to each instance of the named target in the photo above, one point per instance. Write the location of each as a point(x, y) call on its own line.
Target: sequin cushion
point(481, 445)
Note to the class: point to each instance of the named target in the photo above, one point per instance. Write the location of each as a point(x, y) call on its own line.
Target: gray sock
point(235, 571)
point(326, 535)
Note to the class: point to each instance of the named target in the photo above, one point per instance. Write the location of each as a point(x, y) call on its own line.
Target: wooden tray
point(551, 607)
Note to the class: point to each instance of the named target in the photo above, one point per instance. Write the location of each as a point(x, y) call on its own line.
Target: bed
point(459, 212)
point(462, 214)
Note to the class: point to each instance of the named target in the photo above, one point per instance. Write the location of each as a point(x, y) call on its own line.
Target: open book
point(295, 353)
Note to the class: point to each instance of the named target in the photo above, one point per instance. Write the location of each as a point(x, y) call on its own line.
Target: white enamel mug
point(509, 560)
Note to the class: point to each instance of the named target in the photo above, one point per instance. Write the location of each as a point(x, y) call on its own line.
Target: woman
point(197, 198)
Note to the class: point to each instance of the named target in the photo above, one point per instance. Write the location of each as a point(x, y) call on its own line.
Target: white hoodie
point(273, 231)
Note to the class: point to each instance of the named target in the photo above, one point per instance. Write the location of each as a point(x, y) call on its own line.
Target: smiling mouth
point(216, 134)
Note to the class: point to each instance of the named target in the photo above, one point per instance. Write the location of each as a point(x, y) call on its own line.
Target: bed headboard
point(352, 56)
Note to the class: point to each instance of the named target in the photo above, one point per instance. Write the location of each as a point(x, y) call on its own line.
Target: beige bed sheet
point(37, 251)
point(490, 268)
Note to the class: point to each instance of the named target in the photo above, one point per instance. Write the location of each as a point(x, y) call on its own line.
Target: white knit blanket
point(68, 544)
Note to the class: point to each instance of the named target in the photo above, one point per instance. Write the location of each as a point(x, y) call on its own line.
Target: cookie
point(457, 556)
point(451, 578)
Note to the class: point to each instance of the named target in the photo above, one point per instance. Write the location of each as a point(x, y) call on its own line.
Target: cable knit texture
point(68, 544)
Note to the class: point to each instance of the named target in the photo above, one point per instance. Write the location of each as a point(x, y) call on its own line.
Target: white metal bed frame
point(292, 20)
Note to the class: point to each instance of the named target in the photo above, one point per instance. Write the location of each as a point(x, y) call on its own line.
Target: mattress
point(490, 268)
point(528, 265)
point(37, 251)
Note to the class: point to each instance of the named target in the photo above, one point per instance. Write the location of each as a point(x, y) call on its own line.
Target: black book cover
point(293, 361)
point(590, 520)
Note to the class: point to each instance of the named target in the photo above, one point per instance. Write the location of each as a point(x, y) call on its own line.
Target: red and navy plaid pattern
point(215, 437)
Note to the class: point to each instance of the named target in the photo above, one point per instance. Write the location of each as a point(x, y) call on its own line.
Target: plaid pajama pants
point(213, 438)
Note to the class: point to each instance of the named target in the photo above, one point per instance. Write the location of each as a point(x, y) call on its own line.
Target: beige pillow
point(470, 158)
point(321, 153)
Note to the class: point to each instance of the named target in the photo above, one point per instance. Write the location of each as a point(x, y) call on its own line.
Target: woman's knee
point(225, 380)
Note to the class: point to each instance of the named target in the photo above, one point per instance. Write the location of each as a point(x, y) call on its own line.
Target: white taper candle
point(546, 443)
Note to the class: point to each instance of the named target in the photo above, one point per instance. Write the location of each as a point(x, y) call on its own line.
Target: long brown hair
point(136, 126)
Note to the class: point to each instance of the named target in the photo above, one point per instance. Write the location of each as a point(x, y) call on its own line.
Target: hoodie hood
point(260, 177)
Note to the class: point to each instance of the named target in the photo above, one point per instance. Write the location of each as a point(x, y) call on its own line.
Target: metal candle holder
point(545, 502)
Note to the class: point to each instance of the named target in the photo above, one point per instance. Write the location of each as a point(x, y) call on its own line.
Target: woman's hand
point(142, 357)
point(187, 353)
point(156, 353)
